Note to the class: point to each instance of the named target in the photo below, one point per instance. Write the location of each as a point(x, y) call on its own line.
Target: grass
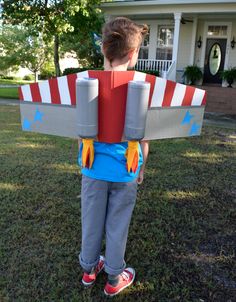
point(182, 234)
point(14, 82)
point(9, 93)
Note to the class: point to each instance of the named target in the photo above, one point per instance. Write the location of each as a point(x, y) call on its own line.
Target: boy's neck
point(116, 65)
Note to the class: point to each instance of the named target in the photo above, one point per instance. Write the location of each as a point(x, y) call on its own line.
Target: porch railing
point(160, 65)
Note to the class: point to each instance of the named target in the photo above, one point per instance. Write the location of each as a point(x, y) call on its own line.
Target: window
point(217, 30)
point(143, 53)
point(165, 35)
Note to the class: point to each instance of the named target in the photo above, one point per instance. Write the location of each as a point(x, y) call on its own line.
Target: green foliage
point(22, 47)
point(28, 77)
point(47, 71)
point(152, 72)
point(192, 74)
point(182, 234)
point(75, 70)
point(229, 75)
point(49, 17)
point(53, 19)
point(81, 41)
point(72, 70)
point(7, 77)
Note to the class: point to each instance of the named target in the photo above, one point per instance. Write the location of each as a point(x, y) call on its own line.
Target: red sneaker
point(126, 278)
point(89, 279)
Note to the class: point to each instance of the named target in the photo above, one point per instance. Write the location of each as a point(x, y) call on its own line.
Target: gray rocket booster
point(136, 110)
point(87, 107)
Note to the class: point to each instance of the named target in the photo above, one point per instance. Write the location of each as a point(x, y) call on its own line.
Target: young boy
point(108, 192)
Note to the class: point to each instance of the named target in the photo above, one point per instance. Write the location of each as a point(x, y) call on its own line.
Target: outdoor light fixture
point(233, 43)
point(199, 42)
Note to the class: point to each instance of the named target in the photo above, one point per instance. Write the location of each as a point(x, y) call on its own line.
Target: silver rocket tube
point(87, 107)
point(136, 109)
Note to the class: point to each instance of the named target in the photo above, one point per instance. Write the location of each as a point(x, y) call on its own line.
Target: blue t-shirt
point(110, 162)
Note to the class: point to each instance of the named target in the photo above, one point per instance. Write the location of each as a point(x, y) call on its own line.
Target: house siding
point(185, 45)
point(232, 52)
point(198, 51)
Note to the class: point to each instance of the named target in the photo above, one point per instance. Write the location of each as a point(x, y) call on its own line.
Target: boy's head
point(121, 40)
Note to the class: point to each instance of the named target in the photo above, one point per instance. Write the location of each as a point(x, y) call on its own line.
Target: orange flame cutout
point(87, 153)
point(132, 156)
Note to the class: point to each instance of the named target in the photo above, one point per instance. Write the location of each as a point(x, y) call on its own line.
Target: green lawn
point(182, 235)
point(13, 82)
point(9, 93)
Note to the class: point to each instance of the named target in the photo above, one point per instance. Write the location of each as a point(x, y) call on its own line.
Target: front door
point(214, 60)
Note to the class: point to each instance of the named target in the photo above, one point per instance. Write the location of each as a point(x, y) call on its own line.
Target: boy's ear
point(131, 53)
point(102, 49)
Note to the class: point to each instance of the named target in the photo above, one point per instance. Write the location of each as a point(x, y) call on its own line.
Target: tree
point(22, 47)
point(81, 39)
point(50, 17)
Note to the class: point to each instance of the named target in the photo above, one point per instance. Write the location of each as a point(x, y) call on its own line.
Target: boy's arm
point(145, 150)
point(79, 142)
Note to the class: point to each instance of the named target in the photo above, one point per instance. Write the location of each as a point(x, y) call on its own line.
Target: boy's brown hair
point(120, 36)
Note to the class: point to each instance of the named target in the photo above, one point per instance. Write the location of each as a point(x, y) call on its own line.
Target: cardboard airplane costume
point(58, 106)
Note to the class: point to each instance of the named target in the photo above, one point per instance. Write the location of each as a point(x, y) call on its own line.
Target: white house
point(183, 32)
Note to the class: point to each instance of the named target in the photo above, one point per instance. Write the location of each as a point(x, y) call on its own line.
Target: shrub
point(46, 74)
point(192, 74)
point(8, 77)
point(78, 69)
point(47, 71)
point(152, 72)
point(28, 77)
point(229, 75)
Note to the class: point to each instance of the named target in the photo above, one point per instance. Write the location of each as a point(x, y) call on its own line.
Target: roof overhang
point(163, 2)
point(168, 7)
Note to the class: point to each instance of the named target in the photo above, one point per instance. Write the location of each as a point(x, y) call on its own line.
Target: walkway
point(9, 102)
point(220, 99)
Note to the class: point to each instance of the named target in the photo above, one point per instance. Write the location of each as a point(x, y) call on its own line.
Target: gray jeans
point(105, 206)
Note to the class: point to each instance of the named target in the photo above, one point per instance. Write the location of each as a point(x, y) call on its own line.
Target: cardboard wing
point(174, 110)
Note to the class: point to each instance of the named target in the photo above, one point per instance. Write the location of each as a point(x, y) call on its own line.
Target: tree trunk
point(56, 55)
point(36, 76)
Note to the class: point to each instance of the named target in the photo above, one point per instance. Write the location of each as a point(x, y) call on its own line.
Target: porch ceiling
point(191, 16)
point(170, 2)
point(150, 8)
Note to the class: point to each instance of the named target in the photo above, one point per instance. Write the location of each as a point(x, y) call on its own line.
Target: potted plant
point(229, 75)
point(192, 73)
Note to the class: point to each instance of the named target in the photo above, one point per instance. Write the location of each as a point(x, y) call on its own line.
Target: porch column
point(194, 35)
point(176, 36)
point(107, 18)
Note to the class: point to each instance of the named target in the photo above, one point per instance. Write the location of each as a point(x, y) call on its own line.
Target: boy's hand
point(140, 177)
point(145, 149)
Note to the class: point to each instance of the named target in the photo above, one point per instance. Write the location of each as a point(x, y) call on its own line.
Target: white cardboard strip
point(198, 97)
point(83, 74)
point(139, 76)
point(158, 92)
point(27, 96)
point(64, 90)
point(44, 89)
point(178, 96)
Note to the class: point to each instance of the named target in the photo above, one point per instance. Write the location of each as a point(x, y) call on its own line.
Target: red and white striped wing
point(164, 93)
point(59, 90)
